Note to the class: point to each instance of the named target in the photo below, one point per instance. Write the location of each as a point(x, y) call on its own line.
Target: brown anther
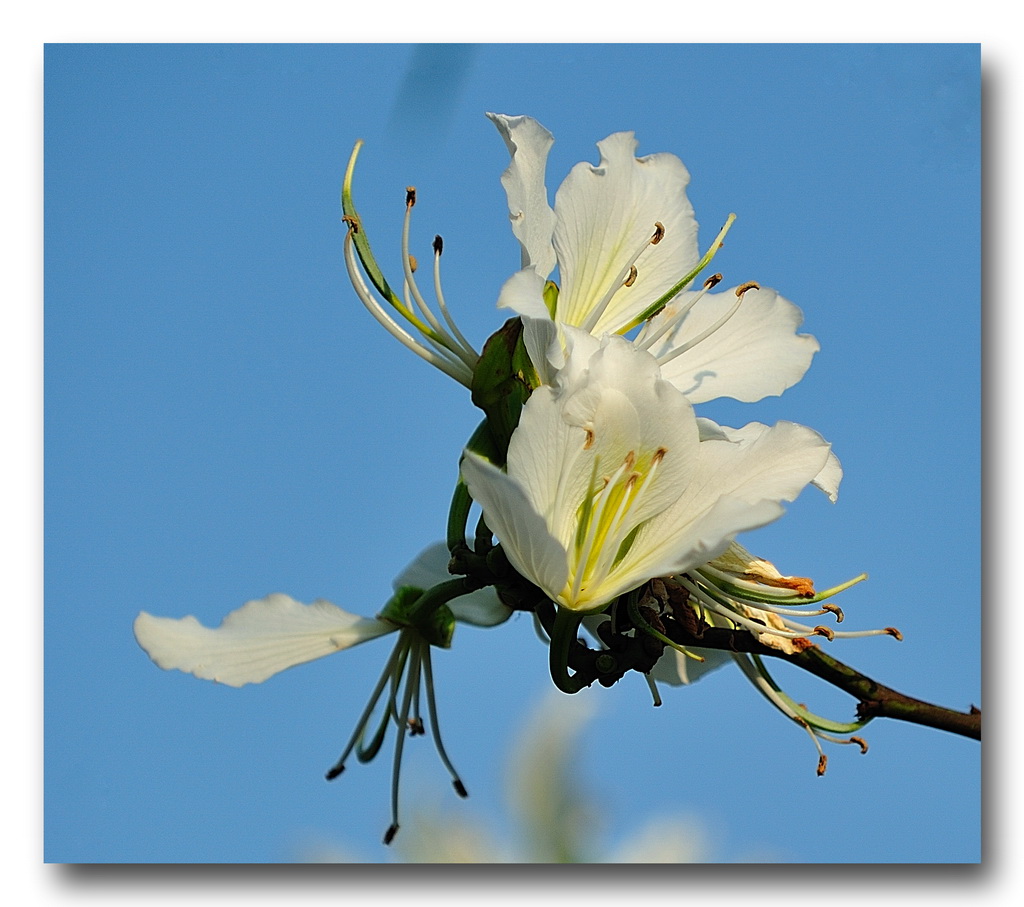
point(416, 727)
point(410, 196)
point(630, 459)
point(438, 245)
point(801, 585)
point(892, 631)
point(413, 264)
point(826, 632)
point(353, 222)
point(822, 764)
point(838, 612)
point(802, 644)
point(659, 233)
point(861, 742)
point(713, 281)
point(749, 285)
point(631, 279)
point(589, 442)
point(659, 455)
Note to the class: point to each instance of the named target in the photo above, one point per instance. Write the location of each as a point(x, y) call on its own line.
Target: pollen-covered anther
point(749, 285)
point(413, 264)
point(861, 742)
point(826, 632)
point(836, 610)
point(659, 455)
point(659, 233)
point(892, 631)
point(629, 281)
point(822, 764)
point(410, 196)
point(416, 727)
point(438, 245)
point(589, 441)
point(353, 223)
point(713, 281)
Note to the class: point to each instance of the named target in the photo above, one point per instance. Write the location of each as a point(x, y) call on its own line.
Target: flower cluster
point(605, 501)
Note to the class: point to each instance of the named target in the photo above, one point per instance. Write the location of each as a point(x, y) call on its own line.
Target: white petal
point(757, 353)
point(675, 668)
point(523, 292)
point(430, 568)
point(255, 642)
point(606, 213)
point(532, 218)
point(738, 485)
point(829, 478)
point(524, 537)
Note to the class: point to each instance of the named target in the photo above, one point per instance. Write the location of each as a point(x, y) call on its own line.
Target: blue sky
point(224, 420)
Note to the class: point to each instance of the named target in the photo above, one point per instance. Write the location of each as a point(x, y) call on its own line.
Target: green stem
point(563, 635)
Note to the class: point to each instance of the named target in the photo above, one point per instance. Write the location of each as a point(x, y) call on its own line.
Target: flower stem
point(563, 635)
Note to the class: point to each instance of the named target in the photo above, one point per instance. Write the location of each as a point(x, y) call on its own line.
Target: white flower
point(267, 636)
point(611, 479)
point(624, 239)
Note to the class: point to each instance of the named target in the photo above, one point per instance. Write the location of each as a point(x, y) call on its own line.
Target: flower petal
point(430, 568)
point(676, 669)
point(532, 218)
point(738, 485)
point(523, 292)
point(255, 642)
point(604, 214)
point(829, 478)
point(756, 353)
point(525, 538)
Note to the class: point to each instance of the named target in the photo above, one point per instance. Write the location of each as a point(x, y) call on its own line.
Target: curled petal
point(532, 218)
point(260, 639)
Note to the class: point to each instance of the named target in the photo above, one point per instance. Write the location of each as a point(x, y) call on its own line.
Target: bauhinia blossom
point(611, 479)
point(623, 237)
point(269, 635)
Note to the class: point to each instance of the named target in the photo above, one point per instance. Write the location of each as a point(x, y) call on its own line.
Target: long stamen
point(682, 284)
point(453, 368)
point(403, 719)
point(339, 766)
point(435, 728)
point(442, 305)
point(625, 277)
point(703, 335)
point(673, 319)
point(440, 334)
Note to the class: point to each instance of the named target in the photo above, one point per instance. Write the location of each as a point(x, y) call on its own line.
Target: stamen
point(672, 321)
point(435, 727)
point(703, 335)
point(414, 673)
point(629, 281)
point(458, 370)
point(339, 766)
point(442, 305)
point(439, 334)
point(653, 687)
point(620, 280)
point(686, 280)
